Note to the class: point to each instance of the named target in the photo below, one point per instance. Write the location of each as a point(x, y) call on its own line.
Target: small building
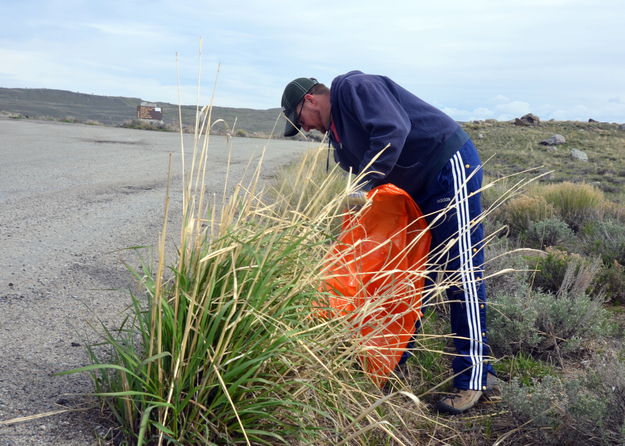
point(149, 112)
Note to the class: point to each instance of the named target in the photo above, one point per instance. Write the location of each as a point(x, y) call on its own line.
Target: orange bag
point(375, 274)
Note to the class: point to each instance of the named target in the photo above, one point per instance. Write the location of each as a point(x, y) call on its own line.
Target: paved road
point(71, 197)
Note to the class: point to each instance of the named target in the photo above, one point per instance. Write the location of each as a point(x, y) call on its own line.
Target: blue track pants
point(453, 204)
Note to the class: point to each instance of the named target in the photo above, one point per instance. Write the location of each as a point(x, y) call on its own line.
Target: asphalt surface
point(72, 199)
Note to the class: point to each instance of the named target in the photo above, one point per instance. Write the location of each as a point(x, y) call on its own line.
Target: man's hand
point(355, 200)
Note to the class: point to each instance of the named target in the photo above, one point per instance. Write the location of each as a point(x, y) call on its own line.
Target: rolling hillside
point(114, 110)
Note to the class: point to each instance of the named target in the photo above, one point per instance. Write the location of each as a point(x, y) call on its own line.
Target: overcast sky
point(475, 59)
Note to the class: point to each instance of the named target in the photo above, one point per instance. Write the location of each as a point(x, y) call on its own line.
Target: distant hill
point(114, 110)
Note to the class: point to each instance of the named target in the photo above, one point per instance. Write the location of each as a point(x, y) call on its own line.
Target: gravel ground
point(72, 197)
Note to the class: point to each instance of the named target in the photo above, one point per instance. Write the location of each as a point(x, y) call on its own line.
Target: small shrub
point(579, 275)
point(550, 232)
point(576, 203)
point(70, 120)
point(520, 212)
point(536, 404)
point(606, 239)
point(552, 269)
point(586, 410)
point(549, 269)
point(611, 282)
point(543, 324)
point(141, 124)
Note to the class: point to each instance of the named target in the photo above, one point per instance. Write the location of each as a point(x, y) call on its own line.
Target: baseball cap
point(293, 94)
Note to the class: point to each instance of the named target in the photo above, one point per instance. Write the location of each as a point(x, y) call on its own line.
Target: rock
point(621, 127)
point(527, 120)
point(592, 120)
point(480, 136)
point(579, 155)
point(553, 141)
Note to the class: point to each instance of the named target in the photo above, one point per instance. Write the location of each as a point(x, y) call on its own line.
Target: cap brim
point(290, 129)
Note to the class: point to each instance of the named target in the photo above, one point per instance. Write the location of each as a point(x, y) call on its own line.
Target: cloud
point(510, 110)
point(468, 115)
point(132, 30)
point(500, 98)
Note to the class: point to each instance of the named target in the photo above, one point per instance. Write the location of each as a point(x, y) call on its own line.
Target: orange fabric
point(375, 274)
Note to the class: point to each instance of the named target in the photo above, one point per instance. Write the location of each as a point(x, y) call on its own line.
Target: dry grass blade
point(40, 415)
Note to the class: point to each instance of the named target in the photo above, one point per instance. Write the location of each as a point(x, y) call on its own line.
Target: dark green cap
point(293, 95)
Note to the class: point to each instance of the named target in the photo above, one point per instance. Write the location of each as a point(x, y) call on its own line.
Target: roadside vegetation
point(226, 347)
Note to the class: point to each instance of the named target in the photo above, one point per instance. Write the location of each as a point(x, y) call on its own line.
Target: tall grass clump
point(225, 346)
point(520, 212)
point(576, 203)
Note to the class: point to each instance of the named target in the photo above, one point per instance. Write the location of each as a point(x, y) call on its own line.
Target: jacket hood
point(338, 80)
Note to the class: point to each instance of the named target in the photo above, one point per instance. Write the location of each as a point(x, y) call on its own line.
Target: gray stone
point(480, 136)
point(579, 155)
point(527, 120)
point(621, 127)
point(553, 141)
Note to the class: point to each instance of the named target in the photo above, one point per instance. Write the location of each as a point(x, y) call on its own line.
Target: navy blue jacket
point(369, 112)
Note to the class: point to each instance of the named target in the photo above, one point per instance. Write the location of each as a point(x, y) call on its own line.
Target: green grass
point(523, 367)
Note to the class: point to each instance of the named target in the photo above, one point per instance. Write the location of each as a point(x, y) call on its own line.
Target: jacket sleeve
point(383, 118)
